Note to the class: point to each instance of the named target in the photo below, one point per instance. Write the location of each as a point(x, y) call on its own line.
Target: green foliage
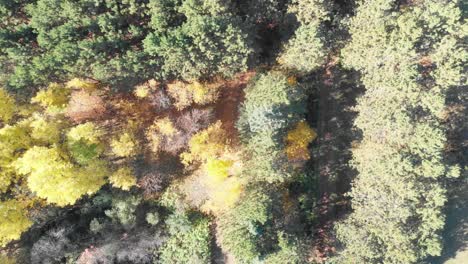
point(306, 50)
point(399, 194)
point(120, 43)
point(290, 251)
point(238, 229)
point(271, 105)
point(199, 38)
point(123, 210)
point(189, 243)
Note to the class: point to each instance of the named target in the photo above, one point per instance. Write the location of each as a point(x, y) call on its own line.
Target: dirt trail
point(335, 129)
point(230, 99)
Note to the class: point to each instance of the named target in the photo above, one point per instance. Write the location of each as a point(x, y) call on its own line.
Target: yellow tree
point(13, 221)
point(186, 94)
point(123, 178)
point(53, 177)
point(12, 140)
point(297, 141)
point(125, 145)
point(217, 176)
point(7, 106)
point(54, 99)
point(209, 143)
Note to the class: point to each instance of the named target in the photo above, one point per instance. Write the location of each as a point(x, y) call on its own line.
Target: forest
point(233, 132)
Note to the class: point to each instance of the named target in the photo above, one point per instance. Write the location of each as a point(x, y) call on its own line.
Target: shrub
point(13, 221)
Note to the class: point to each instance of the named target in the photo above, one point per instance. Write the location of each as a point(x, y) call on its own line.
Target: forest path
point(336, 95)
point(229, 102)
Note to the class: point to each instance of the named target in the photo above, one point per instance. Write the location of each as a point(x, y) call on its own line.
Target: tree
point(125, 145)
point(198, 39)
point(84, 142)
point(54, 99)
point(85, 105)
point(123, 178)
point(53, 177)
point(306, 50)
point(186, 94)
point(12, 140)
point(272, 103)
point(208, 143)
point(7, 106)
point(297, 141)
point(46, 130)
point(188, 245)
point(13, 222)
point(399, 194)
point(237, 230)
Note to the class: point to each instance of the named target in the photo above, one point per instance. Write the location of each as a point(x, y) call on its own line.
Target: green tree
point(271, 105)
point(306, 50)
point(189, 241)
point(398, 196)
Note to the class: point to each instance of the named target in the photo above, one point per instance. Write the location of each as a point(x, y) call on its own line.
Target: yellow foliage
point(165, 126)
point(224, 196)
point(292, 80)
point(141, 91)
point(217, 170)
point(209, 143)
point(4, 259)
point(87, 131)
point(203, 93)
point(54, 98)
point(123, 178)
point(297, 141)
point(13, 221)
point(52, 177)
point(12, 140)
point(125, 145)
point(186, 94)
point(44, 130)
point(7, 106)
point(82, 84)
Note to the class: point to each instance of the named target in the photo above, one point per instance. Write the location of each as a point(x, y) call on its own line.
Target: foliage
point(210, 142)
point(13, 222)
point(290, 252)
point(237, 229)
point(399, 194)
point(186, 94)
point(191, 245)
point(51, 247)
point(123, 178)
point(85, 105)
point(7, 106)
point(123, 210)
point(125, 145)
point(54, 99)
point(46, 130)
point(272, 104)
point(195, 42)
point(65, 183)
point(297, 141)
point(305, 52)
